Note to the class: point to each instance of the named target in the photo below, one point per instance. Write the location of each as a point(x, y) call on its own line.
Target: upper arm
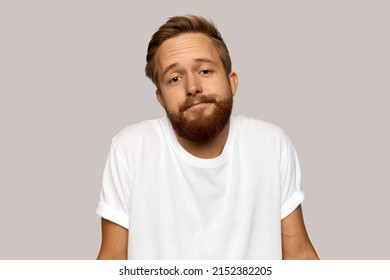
point(114, 241)
point(295, 240)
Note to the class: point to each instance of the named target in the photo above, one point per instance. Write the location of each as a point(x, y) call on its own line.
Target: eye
point(205, 72)
point(174, 79)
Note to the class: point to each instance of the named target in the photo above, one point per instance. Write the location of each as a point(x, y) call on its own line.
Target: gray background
point(72, 76)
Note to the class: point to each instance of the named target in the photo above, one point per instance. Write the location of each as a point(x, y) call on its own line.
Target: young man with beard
point(200, 183)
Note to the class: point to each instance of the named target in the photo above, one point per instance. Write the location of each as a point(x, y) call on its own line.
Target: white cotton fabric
point(178, 206)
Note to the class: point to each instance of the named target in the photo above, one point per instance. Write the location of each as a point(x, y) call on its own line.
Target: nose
point(193, 85)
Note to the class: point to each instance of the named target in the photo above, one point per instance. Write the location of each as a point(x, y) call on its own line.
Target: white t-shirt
point(178, 206)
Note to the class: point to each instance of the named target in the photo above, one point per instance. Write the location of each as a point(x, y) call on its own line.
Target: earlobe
point(160, 98)
point(233, 80)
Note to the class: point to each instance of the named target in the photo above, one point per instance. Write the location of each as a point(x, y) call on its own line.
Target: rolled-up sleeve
point(292, 194)
point(114, 198)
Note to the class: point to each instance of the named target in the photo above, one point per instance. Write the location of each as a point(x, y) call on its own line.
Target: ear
point(160, 98)
point(233, 80)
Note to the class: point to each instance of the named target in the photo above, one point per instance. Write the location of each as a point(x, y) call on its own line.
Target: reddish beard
point(202, 127)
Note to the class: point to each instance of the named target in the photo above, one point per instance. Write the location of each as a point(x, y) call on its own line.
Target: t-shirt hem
point(112, 215)
point(292, 203)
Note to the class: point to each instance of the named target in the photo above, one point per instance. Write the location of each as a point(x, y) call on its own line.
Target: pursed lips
point(196, 104)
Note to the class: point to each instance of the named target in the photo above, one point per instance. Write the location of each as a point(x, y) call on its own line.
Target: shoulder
point(259, 129)
point(261, 136)
point(136, 134)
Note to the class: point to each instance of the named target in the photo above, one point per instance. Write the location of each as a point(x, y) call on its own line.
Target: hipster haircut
point(184, 24)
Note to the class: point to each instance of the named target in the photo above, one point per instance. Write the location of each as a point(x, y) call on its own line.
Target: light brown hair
point(184, 24)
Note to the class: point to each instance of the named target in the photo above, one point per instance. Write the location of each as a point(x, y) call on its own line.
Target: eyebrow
point(207, 60)
point(170, 67)
point(198, 60)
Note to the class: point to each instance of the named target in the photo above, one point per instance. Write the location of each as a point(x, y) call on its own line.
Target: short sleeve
point(113, 204)
point(292, 194)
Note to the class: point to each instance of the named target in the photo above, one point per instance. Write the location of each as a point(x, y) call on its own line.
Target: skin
point(114, 241)
point(296, 244)
point(189, 64)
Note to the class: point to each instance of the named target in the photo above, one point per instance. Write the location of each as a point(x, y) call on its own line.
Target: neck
point(210, 149)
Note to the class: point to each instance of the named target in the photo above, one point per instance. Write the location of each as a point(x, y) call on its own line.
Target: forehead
point(185, 48)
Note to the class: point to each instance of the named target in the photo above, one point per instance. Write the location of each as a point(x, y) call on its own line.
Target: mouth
point(198, 105)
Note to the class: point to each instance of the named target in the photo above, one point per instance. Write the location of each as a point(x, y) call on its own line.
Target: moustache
point(191, 100)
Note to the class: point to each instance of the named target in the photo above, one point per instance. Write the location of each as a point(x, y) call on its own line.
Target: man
point(200, 183)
